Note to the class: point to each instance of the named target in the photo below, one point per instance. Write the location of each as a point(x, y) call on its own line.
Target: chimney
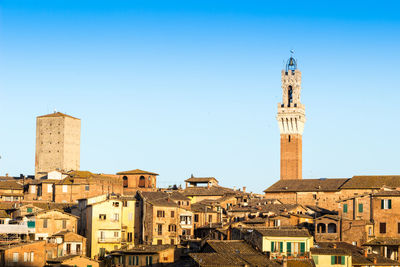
point(6, 174)
point(334, 245)
point(375, 260)
point(244, 189)
point(365, 253)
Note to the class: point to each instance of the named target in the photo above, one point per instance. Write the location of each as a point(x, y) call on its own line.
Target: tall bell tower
point(291, 118)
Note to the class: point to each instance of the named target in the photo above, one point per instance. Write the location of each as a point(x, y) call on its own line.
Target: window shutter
point(345, 208)
point(360, 208)
point(382, 204)
point(333, 260)
point(343, 260)
point(288, 247)
point(272, 246)
point(302, 247)
point(280, 246)
point(389, 203)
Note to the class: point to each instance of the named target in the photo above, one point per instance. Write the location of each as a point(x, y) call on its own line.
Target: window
point(135, 260)
point(172, 214)
point(277, 223)
point(172, 228)
point(290, 95)
point(44, 223)
point(102, 216)
point(130, 260)
point(31, 224)
point(386, 204)
point(33, 189)
point(172, 241)
point(160, 214)
point(159, 229)
point(65, 188)
point(129, 237)
point(78, 248)
point(29, 210)
point(338, 260)
point(398, 228)
point(87, 187)
point(142, 181)
point(124, 203)
point(196, 218)
point(360, 207)
point(344, 208)
point(382, 228)
point(125, 181)
point(149, 260)
point(210, 218)
point(49, 188)
point(102, 252)
point(64, 224)
point(370, 230)
point(116, 217)
point(116, 234)
point(15, 257)
point(26, 256)
point(115, 204)
point(289, 248)
point(159, 242)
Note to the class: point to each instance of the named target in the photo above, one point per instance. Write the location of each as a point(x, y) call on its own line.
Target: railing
point(109, 240)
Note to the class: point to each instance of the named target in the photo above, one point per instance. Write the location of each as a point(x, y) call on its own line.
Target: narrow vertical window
point(290, 95)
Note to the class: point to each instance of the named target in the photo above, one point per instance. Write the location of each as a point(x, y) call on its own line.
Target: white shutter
point(15, 256)
point(32, 256)
point(25, 256)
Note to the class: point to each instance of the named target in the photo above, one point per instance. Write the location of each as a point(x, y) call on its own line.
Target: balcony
point(109, 240)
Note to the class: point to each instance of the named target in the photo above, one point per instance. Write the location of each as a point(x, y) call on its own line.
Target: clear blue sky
point(182, 87)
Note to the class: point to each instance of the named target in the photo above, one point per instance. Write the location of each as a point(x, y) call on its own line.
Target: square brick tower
point(291, 118)
point(57, 143)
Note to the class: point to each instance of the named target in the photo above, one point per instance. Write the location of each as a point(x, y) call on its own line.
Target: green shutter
point(31, 224)
point(389, 203)
point(272, 246)
point(382, 204)
point(343, 260)
point(333, 260)
point(281, 247)
point(137, 260)
point(29, 210)
point(130, 260)
point(302, 247)
point(151, 260)
point(288, 247)
point(360, 207)
point(345, 208)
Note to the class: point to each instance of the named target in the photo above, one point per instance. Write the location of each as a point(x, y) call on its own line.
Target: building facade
point(57, 143)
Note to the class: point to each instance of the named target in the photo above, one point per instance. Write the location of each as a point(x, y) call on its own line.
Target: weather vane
point(292, 51)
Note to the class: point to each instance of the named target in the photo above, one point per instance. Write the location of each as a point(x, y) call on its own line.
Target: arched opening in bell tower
point(290, 95)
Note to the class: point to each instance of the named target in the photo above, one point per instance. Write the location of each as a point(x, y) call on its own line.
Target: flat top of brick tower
point(57, 114)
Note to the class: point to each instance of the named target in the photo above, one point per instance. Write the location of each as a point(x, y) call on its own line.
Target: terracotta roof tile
point(57, 114)
point(136, 171)
point(373, 182)
point(307, 185)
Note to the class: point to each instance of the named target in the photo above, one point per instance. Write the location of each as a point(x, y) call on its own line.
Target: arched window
point(331, 228)
point(125, 181)
point(290, 95)
point(321, 228)
point(142, 181)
